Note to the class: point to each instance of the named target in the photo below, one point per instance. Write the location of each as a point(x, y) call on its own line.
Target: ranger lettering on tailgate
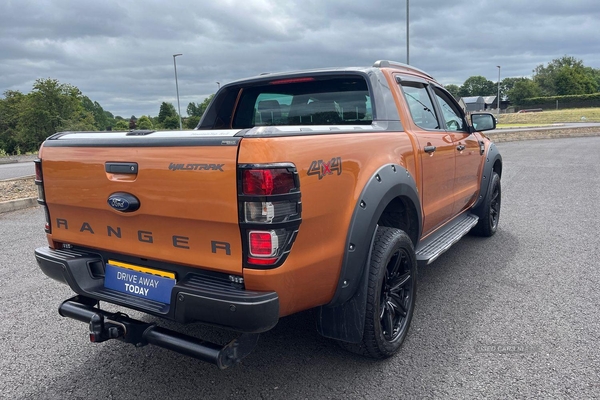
point(178, 241)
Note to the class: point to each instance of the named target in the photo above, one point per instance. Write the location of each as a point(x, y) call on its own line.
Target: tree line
point(562, 76)
point(167, 117)
point(26, 120)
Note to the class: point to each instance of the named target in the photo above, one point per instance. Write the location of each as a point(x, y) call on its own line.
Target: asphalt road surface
point(16, 170)
point(515, 315)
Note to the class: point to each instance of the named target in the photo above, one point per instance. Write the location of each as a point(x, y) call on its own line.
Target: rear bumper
point(197, 296)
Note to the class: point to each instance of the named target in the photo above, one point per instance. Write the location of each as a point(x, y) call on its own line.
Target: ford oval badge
point(123, 202)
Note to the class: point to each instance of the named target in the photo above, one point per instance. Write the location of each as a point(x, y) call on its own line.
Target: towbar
point(105, 326)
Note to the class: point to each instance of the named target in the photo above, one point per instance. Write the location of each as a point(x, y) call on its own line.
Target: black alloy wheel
point(495, 201)
point(489, 211)
point(391, 295)
point(396, 296)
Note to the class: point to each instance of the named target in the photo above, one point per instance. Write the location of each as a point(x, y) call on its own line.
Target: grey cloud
point(119, 53)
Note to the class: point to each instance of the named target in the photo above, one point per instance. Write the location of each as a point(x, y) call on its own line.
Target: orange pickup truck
point(320, 189)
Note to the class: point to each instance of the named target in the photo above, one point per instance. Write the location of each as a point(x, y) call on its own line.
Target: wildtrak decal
point(322, 168)
point(196, 167)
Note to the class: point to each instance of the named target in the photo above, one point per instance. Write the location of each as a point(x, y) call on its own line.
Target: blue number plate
point(141, 284)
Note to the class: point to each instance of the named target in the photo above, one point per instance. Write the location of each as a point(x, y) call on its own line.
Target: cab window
point(450, 112)
point(328, 100)
point(420, 105)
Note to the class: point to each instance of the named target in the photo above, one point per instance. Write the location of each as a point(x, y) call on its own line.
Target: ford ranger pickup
point(320, 189)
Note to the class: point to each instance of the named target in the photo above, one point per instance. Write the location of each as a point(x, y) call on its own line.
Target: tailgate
point(185, 184)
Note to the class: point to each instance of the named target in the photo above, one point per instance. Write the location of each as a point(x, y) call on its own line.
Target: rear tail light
point(263, 243)
point(256, 262)
point(39, 181)
point(38, 170)
point(41, 193)
point(270, 212)
point(267, 182)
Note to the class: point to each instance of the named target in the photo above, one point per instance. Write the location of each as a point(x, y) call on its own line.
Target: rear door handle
point(460, 147)
point(429, 149)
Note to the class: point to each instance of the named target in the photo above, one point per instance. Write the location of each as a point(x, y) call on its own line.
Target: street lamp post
point(407, 41)
point(177, 88)
point(219, 85)
point(498, 100)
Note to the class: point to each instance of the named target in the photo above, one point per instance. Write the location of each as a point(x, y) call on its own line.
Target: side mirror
point(483, 121)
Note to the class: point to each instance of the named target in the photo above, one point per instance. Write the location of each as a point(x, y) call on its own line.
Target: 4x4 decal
point(323, 168)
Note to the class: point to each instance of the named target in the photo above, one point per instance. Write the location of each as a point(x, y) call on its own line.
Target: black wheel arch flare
point(492, 158)
point(343, 317)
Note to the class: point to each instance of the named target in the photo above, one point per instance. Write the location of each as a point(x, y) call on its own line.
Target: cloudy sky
point(119, 53)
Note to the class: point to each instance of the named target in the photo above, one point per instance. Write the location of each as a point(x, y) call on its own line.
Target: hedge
point(570, 101)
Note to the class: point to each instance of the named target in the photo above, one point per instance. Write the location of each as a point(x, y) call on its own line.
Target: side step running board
point(105, 326)
point(432, 247)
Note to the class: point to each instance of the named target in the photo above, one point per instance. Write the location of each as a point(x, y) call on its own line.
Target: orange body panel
point(445, 192)
point(309, 276)
point(469, 166)
point(183, 208)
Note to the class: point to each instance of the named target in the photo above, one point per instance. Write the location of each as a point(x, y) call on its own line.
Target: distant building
point(490, 102)
point(462, 104)
point(474, 103)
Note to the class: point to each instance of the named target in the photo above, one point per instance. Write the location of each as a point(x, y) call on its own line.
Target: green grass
point(550, 117)
point(4, 154)
point(521, 125)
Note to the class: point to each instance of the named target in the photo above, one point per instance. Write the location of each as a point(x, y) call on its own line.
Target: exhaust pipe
point(105, 326)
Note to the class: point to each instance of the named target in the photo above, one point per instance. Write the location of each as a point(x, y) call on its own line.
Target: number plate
point(139, 281)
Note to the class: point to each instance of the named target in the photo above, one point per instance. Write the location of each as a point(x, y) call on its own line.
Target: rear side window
point(305, 101)
point(420, 104)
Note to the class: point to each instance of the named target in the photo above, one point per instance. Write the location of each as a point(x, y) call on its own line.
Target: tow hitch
point(105, 326)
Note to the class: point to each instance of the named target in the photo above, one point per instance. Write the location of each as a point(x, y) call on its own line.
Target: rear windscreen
point(305, 101)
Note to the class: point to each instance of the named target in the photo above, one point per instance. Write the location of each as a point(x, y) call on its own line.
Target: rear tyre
point(391, 295)
point(488, 220)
